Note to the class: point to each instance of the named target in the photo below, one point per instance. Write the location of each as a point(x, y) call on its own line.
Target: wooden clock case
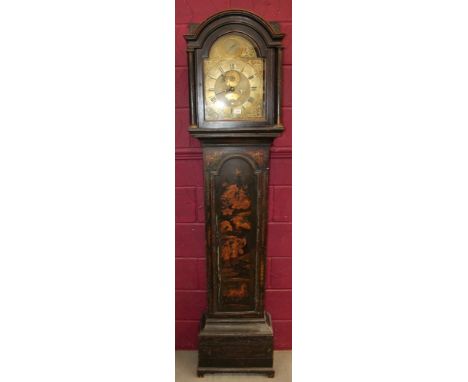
point(236, 333)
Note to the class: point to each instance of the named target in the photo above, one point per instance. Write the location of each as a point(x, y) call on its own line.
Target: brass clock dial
point(233, 81)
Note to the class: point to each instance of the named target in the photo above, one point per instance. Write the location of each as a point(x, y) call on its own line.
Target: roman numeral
point(232, 66)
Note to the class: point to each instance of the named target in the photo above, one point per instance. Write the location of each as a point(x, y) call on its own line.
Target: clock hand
point(227, 90)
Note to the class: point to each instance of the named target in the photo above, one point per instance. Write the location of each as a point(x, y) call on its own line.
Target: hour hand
point(227, 90)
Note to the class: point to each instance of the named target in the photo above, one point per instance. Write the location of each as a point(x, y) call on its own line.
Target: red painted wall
point(190, 271)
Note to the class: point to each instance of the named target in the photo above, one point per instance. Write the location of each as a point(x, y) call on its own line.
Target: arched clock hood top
point(266, 39)
point(199, 32)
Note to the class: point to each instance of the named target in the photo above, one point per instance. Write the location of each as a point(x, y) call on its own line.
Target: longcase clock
point(234, 62)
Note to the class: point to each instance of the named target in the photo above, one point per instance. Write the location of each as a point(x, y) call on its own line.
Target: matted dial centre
point(232, 88)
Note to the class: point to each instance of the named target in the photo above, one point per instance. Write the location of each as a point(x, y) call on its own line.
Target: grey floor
point(186, 369)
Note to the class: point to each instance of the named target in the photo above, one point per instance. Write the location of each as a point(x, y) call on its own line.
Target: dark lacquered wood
point(267, 42)
point(279, 77)
point(192, 90)
point(236, 334)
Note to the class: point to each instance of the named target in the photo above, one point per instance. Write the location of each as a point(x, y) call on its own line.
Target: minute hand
point(228, 90)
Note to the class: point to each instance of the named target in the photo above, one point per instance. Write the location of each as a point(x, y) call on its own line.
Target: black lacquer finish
point(236, 333)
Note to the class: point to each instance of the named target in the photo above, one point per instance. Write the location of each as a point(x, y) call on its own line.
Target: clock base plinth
point(268, 371)
point(236, 345)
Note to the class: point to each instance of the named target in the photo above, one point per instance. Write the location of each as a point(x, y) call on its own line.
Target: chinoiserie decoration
point(234, 62)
